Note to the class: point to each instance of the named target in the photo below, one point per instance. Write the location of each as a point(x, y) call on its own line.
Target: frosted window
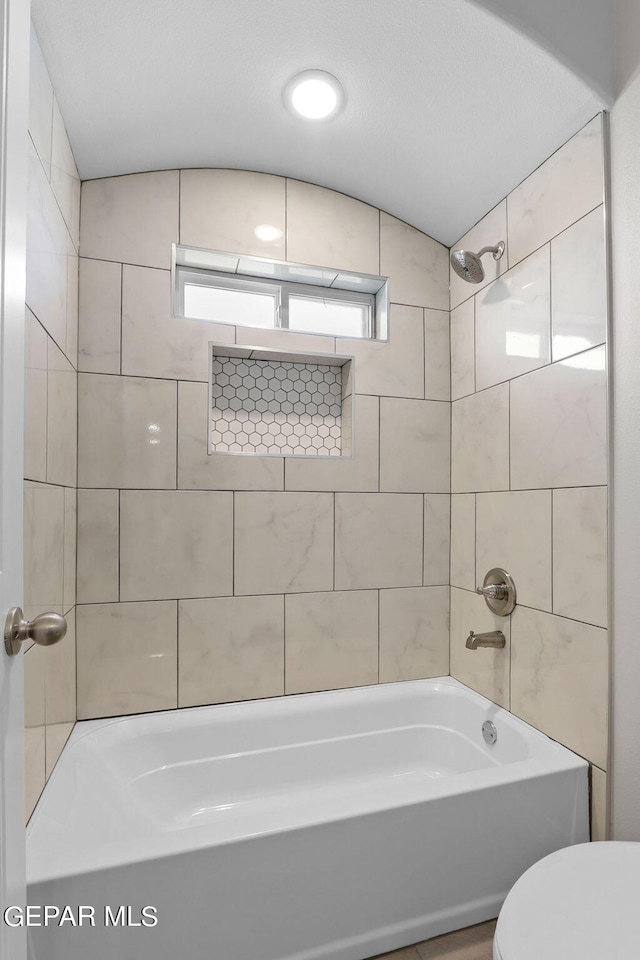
point(332, 317)
point(244, 307)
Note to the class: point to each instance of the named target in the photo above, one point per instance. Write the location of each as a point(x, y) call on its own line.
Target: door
point(14, 73)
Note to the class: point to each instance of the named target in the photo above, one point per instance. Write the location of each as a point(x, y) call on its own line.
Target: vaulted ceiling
point(448, 106)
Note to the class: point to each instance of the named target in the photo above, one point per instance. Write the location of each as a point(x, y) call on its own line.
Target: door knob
point(45, 629)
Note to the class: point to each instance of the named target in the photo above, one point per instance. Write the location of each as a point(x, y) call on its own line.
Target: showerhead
point(468, 266)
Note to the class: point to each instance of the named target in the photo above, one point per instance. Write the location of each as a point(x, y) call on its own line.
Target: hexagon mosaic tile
point(276, 407)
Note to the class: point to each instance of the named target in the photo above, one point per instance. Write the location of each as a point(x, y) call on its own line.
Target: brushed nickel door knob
point(45, 630)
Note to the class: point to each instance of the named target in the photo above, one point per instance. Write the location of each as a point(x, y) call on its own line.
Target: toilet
point(580, 903)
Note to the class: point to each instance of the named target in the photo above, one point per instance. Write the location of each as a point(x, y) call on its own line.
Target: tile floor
point(472, 943)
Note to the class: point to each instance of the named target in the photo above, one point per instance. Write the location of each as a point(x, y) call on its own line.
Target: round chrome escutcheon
point(489, 732)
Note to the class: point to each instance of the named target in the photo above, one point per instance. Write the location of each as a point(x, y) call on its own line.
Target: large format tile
point(43, 549)
point(127, 658)
point(463, 357)
point(485, 669)
point(56, 736)
point(414, 446)
point(71, 341)
point(394, 368)
point(414, 633)
point(70, 548)
point(580, 571)
point(488, 232)
point(175, 543)
point(100, 297)
point(559, 424)
point(513, 530)
point(564, 188)
point(379, 539)
point(40, 103)
point(126, 432)
point(480, 441)
point(62, 418)
point(559, 680)
point(417, 265)
point(579, 286)
point(283, 542)
point(230, 649)
point(599, 812)
point(34, 727)
point(154, 342)
point(222, 209)
point(199, 470)
point(437, 355)
point(98, 544)
point(331, 640)
point(132, 219)
point(329, 229)
point(35, 400)
point(437, 527)
point(287, 340)
point(358, 474)
point(513, 322)
point(463, 541)
point(60, 676)
point(65, 181)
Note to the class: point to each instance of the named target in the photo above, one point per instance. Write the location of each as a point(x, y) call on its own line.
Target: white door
point(14, 73)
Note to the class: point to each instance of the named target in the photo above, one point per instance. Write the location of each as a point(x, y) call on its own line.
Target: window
point(248, 291)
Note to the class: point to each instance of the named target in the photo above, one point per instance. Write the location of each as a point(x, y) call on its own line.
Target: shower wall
point(204, 579)
point(51, 329)
point(529, 454)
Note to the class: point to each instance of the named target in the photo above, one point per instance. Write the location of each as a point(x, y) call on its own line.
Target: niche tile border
point(274, 403)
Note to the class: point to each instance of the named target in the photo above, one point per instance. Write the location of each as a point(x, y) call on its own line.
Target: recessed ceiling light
point(314, 95)
point(267, 232)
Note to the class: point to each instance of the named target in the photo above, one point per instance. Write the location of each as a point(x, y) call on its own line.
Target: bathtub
point(330, 825)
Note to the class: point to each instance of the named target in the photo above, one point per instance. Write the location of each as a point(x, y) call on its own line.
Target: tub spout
point(495, 638)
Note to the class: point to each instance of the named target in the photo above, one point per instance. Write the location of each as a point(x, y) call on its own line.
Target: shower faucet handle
point(495, 591)
point(499, 591)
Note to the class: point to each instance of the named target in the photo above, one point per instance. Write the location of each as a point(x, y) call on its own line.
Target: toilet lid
point(582, 902)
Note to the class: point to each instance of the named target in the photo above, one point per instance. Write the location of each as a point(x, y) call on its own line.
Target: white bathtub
point(331, 825)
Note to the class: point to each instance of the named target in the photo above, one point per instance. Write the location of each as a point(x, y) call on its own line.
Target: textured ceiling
point(448, 107)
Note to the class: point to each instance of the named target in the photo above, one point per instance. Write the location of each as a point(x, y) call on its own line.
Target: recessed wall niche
point(274, 403)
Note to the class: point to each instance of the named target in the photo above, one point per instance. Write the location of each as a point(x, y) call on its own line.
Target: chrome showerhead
point(467, 264)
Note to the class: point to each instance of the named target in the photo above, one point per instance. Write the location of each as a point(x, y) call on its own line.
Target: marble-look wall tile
point(70, 548)
point(437, 526)
point(599, 815)
point(396, 368)
point(580, 554)
point(65, 181)
point(34, 727)
point(559, 424)
point(480, 441)
point(417, 265)
point(47, 252)
point(488, 232)
point(414, 446)
point(331, 640)
point(230, 649)
point(579, 286)
point(463, 541)
point(60, 676)
point(463, 377)
point(43, 549)
point(414, 633)
point(437, 355)
point(127, 658)
point(287, 340)
point(199, 470)
point(131, 219)
point(40, 103)
point(62, 418)
point(98, 546)
point(56, 736)
point(330, 229)
point(283, 542)
point(378, 540)
point(563, 189)
point(35, 400)
point(359, 474)
point(126, 432)
point(223, 209)
point(485, 669)
point(513, 531)
point(175, 544)
point(156, 344)
point(513, 322)
point(71, 342)
point(559, 680)
point(99, 316)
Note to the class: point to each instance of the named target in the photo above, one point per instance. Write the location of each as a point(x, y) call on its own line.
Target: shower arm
point(496, 251)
